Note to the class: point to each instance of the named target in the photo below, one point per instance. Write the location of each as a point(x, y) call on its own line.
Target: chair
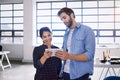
point(0, 50)
point(1, 57)
point(112, 78)
point(0, 47)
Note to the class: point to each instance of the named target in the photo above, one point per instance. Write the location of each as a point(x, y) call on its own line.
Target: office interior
point(22, 52)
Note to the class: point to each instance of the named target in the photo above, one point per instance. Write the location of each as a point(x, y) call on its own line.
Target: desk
point(4, 54)
point(108, 66)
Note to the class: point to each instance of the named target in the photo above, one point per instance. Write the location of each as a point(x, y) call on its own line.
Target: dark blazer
point(50, 69)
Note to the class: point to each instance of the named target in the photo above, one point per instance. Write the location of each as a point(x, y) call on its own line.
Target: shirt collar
point(78, 26)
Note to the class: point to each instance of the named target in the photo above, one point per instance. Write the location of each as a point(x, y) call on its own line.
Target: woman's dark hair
point(66, 10)
point(43, 29)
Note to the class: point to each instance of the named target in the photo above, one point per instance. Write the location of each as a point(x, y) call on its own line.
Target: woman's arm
point(36, 57)
point(40, 57)
point(47, 54)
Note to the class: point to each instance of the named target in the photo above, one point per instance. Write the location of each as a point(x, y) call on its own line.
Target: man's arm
point(65, 55)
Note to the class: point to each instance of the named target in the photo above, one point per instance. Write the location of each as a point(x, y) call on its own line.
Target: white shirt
point(67, 65)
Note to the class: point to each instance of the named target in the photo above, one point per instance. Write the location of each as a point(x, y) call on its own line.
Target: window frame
point(98, 16)
point(13, 24)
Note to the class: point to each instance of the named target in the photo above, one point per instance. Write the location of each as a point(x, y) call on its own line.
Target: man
point(79, 46)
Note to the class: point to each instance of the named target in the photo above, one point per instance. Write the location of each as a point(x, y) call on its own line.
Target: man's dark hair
point(43, 29)
point(66, 10)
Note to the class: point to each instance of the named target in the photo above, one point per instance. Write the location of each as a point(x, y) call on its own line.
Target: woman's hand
point(47, 54)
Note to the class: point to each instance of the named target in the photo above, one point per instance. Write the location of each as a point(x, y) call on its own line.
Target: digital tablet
point(54, 50)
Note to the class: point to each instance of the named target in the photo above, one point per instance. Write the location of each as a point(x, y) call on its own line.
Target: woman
point(47, 67)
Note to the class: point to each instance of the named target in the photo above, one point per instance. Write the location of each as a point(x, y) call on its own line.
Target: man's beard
point(70, 23)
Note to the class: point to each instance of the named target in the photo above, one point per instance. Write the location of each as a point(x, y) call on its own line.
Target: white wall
point(16, 51)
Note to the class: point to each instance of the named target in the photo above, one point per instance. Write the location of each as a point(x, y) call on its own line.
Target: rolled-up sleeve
point(90, 44)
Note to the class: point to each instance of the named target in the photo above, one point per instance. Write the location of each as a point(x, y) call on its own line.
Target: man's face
point(67, 20)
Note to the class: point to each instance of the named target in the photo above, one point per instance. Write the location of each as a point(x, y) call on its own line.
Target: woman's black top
point(50, 69)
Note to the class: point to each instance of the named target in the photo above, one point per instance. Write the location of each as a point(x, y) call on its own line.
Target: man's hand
point(65, 55)
point(62, 55)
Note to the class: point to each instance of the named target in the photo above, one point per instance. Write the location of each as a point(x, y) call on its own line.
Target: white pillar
point(29, 9)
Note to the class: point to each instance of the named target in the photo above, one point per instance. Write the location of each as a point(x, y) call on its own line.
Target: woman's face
point(47, 37)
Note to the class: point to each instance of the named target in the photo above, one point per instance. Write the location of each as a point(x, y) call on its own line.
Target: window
point(103, 16)
point(11, 23)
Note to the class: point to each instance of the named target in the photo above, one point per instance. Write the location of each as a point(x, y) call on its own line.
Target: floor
point(26, 71)
point(18, 71)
